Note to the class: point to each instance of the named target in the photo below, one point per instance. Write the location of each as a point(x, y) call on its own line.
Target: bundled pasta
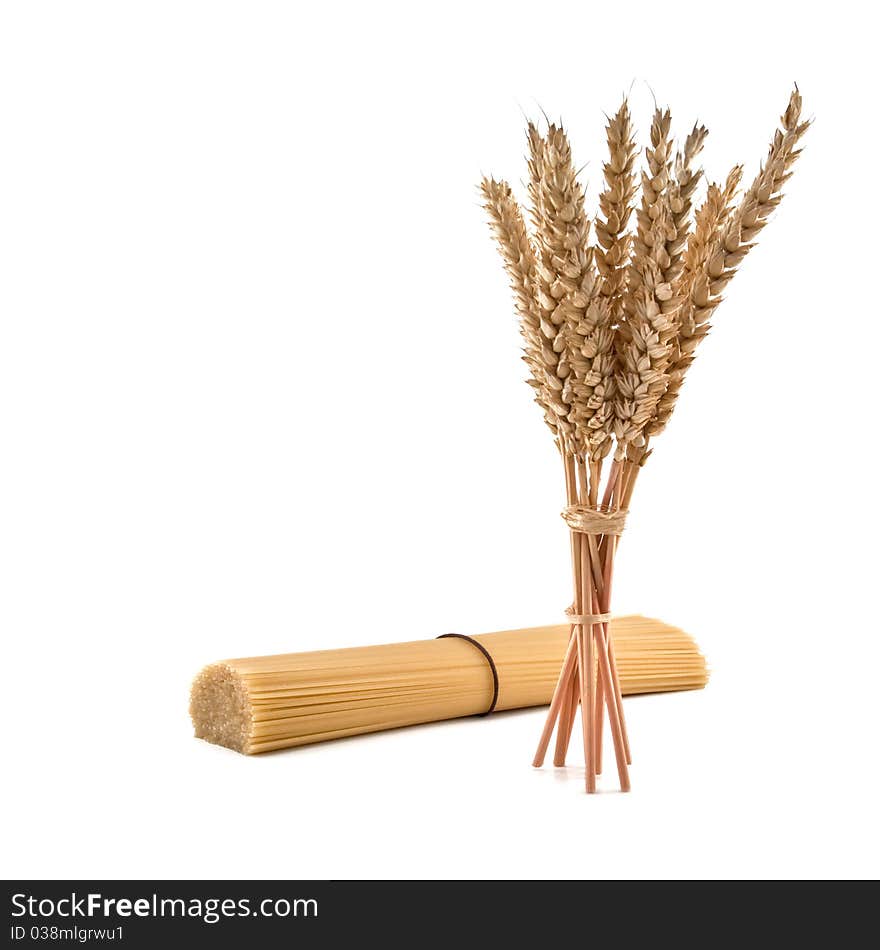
point(258, 704)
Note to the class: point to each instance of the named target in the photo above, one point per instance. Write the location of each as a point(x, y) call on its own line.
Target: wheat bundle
point(259, 704)
point(610, 329)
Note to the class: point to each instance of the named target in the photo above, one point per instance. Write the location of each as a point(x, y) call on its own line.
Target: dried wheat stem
point(588, 633)
point(610, 554)
point(568, 709)
point(563, 684)
point(570, 706)
point(585, 671)
point(598, 722)
point(611, 692)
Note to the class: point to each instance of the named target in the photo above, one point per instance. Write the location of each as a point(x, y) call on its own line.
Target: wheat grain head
point(572, 312)
point(709, 220)
point(616, 207)
point(721, 242)
point(518, 254)
point(644, 335)
point(610, 331)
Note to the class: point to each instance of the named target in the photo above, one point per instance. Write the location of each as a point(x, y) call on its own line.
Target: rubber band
point(489, 660)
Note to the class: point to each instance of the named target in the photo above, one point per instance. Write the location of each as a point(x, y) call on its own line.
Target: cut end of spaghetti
point(220, 708)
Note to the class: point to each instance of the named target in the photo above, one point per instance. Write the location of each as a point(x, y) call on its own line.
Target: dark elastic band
point(489, 660)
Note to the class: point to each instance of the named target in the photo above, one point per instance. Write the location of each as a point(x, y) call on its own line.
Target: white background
point(259, 392)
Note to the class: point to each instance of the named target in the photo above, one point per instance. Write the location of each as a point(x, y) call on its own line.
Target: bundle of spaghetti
point(259, 704)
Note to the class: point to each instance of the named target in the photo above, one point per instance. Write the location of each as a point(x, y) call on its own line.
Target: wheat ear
point(645, 334)
point(616, 207)
point(709, 220)
point(741, 229)
point(650, 259)
point(568, 298)
point(717, 258)
point(684, 185)
point(518, 254)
